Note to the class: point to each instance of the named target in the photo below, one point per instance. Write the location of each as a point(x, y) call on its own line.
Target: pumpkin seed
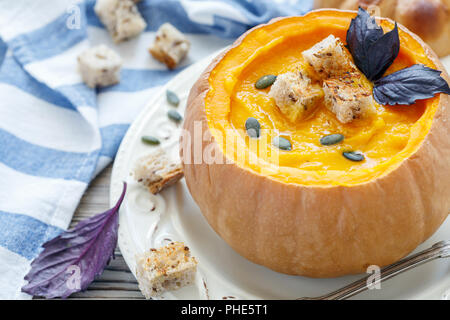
point(253, 127)
point(174, 115)
point(172, 98)
point(150, 140)
point(331, 139)
point(265, 81)
point(353, 156)
point(282, 143)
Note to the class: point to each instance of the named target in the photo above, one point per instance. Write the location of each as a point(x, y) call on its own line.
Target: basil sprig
point(374, 52)
point(408, 85)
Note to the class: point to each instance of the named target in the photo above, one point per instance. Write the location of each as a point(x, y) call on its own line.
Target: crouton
point(348, 98)
point(295, 95)
point(156, 171)
point(165, 269)
point(329, 58)
point(121, 18)
point(99, 66)
point(170, 46)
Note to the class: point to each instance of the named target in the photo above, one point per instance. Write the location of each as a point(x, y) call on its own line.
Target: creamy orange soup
point(385, 139)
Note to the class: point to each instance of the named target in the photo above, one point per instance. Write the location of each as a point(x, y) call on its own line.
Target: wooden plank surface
point(117, 281)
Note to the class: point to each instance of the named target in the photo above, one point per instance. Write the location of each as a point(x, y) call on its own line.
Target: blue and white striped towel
point(56, 134)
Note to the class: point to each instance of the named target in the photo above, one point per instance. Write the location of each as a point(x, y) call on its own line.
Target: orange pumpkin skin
point(324, 231)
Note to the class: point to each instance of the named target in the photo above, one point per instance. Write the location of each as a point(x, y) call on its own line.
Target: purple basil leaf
point(372, 50)
point(361, 34)
point(70, 262)
point(382, 54)
point(408, 85)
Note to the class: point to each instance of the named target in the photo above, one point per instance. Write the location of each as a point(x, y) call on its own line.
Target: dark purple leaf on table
point(372, 50)
point(71, 261)
point(408, 85)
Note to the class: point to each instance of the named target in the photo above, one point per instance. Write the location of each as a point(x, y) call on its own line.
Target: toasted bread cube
point(170, 46)
point(121, 18)
point(165, 269)
point(329, 58)
point(295, 95)
point(156, 171)
point(348, 98)
point(100, 66)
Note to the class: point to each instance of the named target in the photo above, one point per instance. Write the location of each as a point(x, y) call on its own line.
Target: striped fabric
point(56, 134)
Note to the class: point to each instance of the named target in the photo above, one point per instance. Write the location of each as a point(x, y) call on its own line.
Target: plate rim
point(114, 186)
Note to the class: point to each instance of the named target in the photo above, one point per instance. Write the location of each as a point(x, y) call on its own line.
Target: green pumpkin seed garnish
point(282, 143)
point(253, 127)
point(172, 98)
point(353, 156)
point(174, 115)
point(265, 81)
point(331, 139)
point(150, 140)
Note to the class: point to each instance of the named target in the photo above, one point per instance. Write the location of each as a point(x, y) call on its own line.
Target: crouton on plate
point(156, 171)
point(165, 269)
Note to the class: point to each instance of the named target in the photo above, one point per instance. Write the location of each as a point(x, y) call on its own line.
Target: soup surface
point(385, 139)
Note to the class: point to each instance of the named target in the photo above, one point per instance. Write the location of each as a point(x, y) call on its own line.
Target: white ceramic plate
point(222, 272)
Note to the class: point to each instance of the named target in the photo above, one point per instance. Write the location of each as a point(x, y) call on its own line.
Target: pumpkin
point(430, 19)
point(310, 211)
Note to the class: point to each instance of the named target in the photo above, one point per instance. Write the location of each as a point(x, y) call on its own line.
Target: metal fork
point(438, 250)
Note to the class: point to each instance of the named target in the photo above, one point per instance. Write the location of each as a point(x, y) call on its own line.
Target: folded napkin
point(56, 134)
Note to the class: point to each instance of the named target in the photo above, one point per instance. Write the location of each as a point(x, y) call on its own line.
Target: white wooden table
point(117, 281)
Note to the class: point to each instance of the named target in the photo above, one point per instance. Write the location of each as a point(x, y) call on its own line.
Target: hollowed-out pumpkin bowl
point(338, 219)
